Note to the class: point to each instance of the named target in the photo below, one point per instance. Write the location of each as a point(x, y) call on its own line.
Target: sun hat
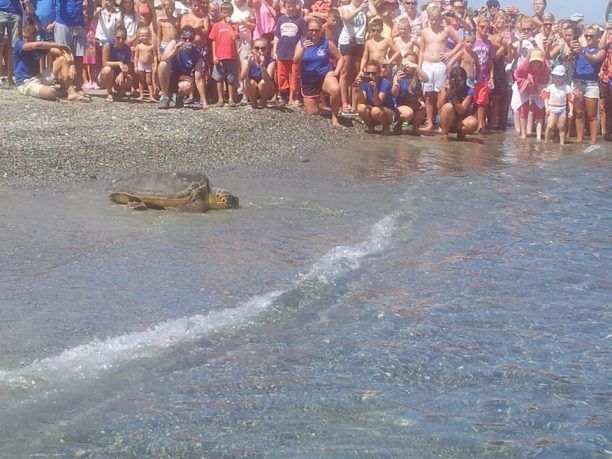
point(536, 55)
point(559, 70)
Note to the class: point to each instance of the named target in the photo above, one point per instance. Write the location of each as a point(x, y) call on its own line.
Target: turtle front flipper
point(222, 199)
point(136, 205)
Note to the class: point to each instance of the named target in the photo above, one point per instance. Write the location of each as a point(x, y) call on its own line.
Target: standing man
point(70, 31)
point(538, 18)
point(11, 16)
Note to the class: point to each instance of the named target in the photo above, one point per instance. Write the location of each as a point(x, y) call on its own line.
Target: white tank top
point(356, 28)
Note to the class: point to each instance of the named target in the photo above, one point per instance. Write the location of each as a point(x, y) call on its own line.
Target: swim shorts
point(436, 72)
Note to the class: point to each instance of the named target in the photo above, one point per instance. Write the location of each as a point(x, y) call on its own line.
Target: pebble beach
point(62, 143)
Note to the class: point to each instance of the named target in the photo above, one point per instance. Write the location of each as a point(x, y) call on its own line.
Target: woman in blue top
point(377, 105)
point(116, 60)
point(315, 54)
point(408, 92)
point(257, 74)
point(588, 64)
point(455, 106)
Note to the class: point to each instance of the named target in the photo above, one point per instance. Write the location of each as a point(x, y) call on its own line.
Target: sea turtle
point(183, 191)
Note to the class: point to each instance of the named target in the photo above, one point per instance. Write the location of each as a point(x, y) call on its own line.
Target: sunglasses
point(547, 24)
point(187, 38)
point(259, 48)
point(589, 36)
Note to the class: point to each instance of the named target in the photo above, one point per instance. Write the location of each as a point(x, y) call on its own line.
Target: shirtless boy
point(405, 42)
point(377, 49)
point(146, 59)
point(432, 58)
point(467, 59)
point(167, 25)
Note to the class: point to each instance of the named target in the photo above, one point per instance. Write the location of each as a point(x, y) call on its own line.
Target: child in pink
point(89, 58)
point(531, 77)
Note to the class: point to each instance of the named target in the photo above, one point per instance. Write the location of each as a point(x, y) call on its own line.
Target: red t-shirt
point(225, 44)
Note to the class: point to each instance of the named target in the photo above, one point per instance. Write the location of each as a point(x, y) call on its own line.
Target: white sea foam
point(90, 359)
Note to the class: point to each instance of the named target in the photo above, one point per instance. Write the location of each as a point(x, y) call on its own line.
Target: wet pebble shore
point(56, 143)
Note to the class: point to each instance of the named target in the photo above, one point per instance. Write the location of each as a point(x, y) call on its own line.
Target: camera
point(366, 79)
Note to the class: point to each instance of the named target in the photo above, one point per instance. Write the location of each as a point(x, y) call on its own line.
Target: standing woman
point(586, 85)
point(351, 43)
point(130, 20)
point(314, 54)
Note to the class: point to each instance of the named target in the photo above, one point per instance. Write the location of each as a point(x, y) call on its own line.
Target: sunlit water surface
point(398, 299)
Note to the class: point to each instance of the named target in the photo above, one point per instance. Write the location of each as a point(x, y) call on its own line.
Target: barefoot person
point(115, 76)
point(317, 76)
point(146, 59)
point(408, 92)
point(258, 74)
point(26, 55)
point(455, 105)
point(432, 58)
point(377, 106)
point(178, 67)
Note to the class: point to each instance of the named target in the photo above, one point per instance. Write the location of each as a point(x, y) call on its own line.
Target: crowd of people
point(439, 65)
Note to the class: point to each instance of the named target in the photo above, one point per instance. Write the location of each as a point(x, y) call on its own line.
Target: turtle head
point(221, 199)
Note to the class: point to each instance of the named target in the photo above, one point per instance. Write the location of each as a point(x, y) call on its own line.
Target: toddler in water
point(557, 98)
point(146, 59)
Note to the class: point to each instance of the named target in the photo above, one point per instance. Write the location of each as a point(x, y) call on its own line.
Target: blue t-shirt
point(407, 95)
point(584, 69)
point(11, 6)
point(184, 62)
point(122, 53)
point(26, 63)
point(69, 13)
point(44, 10)
point(289, 31)
point(315, 63)
point(384, 85)
point(255, 70)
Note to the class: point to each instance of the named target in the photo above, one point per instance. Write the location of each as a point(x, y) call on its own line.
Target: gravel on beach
point(56, 143)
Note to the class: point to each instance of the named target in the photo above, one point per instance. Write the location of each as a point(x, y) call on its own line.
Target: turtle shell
point(171, 189)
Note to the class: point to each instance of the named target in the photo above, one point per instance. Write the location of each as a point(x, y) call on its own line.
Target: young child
point(290, 29)
point(484, 49)
point(146, 59)
point(332, 27)
point(167, 25)
point(378, 48)
point(224, 35)
point(557, 98)
point(89, 58)
point(467, 59)
point(405, 42)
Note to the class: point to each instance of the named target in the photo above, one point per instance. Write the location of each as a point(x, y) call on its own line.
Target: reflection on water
point(406, 297)
point(395, 158)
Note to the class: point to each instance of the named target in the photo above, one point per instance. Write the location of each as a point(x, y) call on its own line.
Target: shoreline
point(54, 144)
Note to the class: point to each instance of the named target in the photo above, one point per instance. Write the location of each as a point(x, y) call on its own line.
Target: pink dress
point(89, 58)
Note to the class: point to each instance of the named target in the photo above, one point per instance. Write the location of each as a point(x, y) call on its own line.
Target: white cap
point(559, 70)
point(576, 17)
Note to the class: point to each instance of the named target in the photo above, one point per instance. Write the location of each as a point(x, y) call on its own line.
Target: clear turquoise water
point(399, 299)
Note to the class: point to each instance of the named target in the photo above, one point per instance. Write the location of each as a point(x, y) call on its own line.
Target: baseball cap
point(559, 70)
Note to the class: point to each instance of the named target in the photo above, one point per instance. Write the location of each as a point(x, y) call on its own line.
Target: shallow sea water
point(398, 299)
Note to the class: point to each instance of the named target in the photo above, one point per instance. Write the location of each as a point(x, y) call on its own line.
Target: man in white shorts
point(432, 57)
point(27, 53)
